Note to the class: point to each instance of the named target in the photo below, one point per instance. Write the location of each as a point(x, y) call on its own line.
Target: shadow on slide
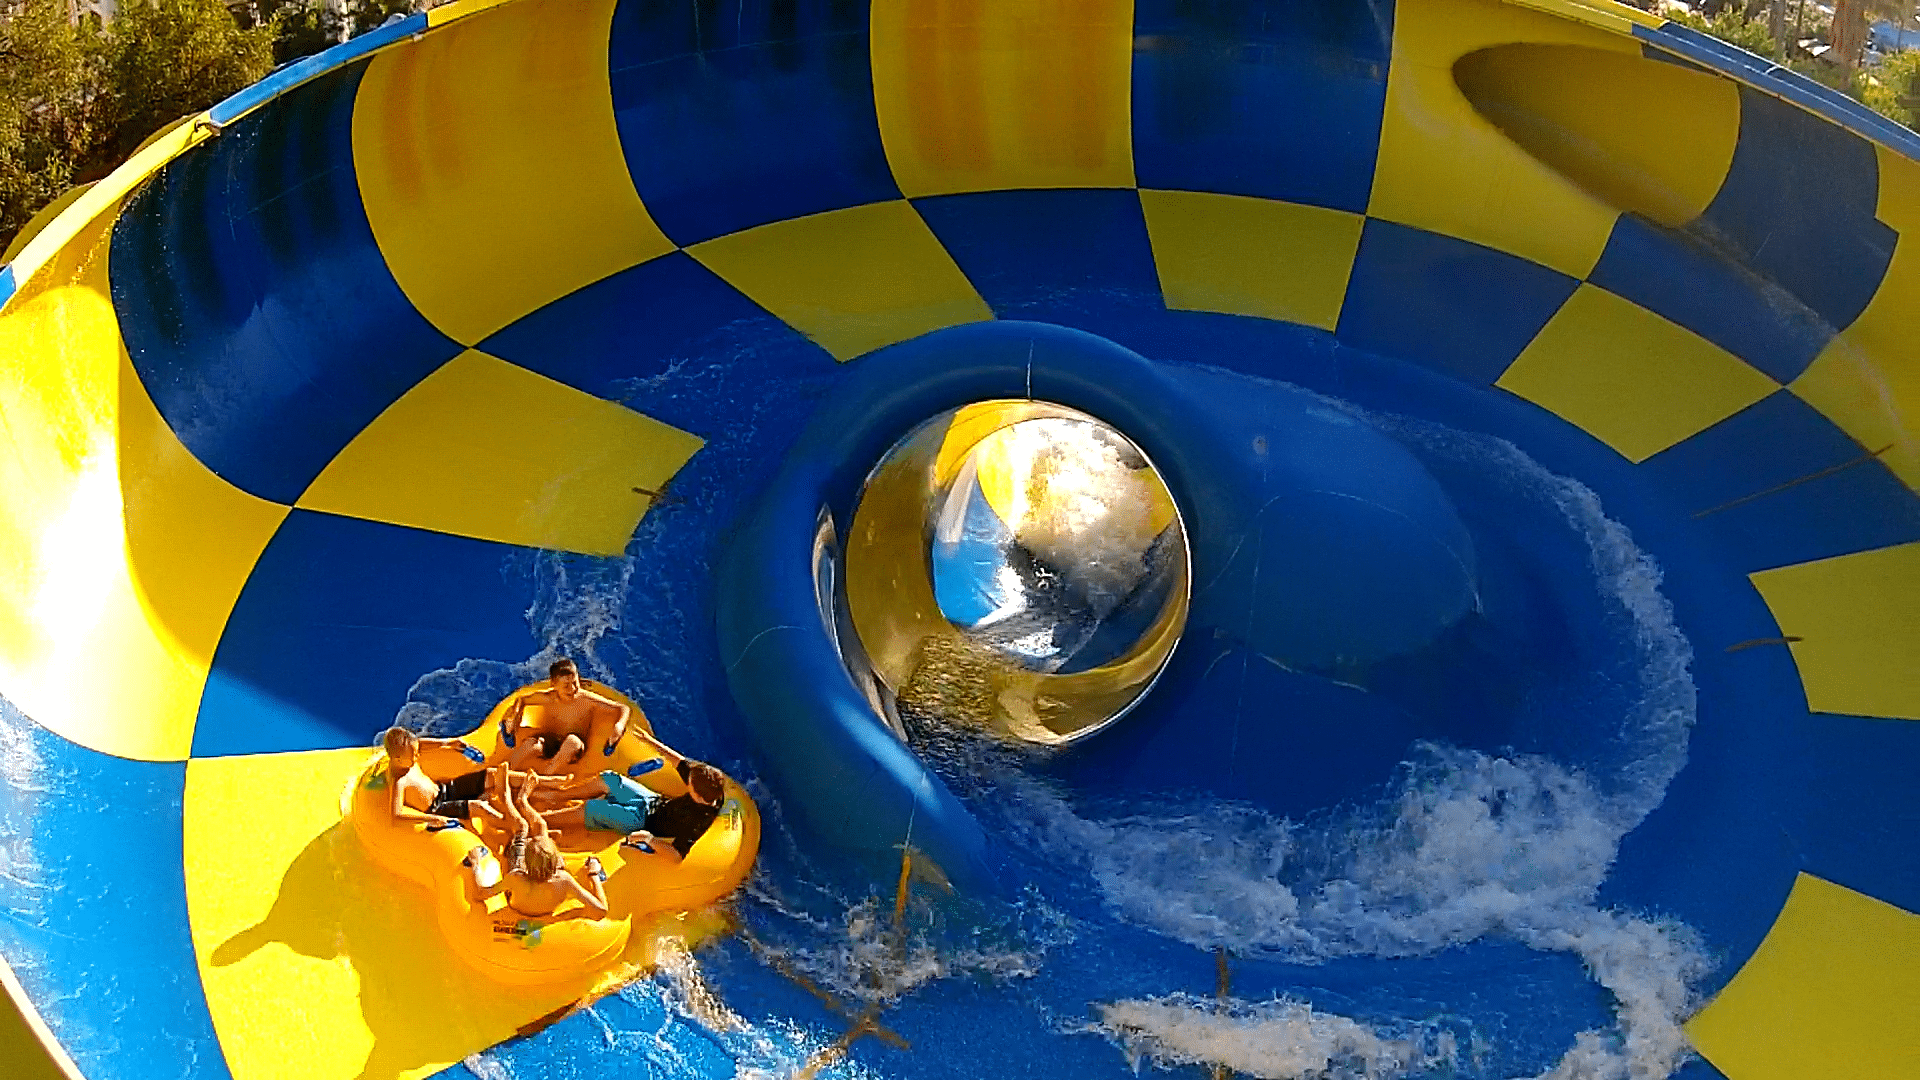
point(420, 1003)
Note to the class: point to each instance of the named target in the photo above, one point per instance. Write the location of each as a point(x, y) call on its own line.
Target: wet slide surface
point(496, 336)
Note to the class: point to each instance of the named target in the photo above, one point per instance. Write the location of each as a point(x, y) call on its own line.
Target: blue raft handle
point(506, 734)
point(450, 823)
point(647, 766)
point(472, 754)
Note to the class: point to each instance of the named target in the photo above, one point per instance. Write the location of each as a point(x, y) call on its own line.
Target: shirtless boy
point(537, 882)
point(575, 718)
point(417, 797)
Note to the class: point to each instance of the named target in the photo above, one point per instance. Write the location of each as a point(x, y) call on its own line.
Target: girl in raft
point(537, 882)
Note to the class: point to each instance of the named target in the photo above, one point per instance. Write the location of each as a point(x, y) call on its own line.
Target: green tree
point(1731, 25)
point(301, 28)
point(305, 27)
point(76, 97)
point(168, 58)
point(1893, 88)
point(1886, 89)
point(48, 69)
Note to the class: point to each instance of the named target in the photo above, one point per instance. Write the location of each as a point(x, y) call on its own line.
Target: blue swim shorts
point(624, 808)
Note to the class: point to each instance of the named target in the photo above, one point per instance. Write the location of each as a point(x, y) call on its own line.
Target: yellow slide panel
point(460, 9)
point(40, 220)
point(984, 95)
point(972, 423)
point(1860, 629)
point(28, 1049)
point(1831, 992)
point(128, 553)
point(1630, 378)
point(852, 280)
point(491, 168)
point(1445, 168)
point(319, 964)
point(1245, 256)
point(1643, 135)
point(487, 449)
point(1867, 380)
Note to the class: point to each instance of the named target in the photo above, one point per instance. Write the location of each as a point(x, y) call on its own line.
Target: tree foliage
point(1893, 88)
point(305, 27)
point(47, 108)
point(77, 97)
point(168, 58)
point(1730, 24)
point(1887, 89)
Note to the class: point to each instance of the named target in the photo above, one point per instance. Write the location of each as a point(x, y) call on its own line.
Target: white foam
point(24, 786)
point(576, 604)
point(1465, 846)
point(1652, 734)
point(487, 1067)
point(1078, 505)
point(1274, 1040)
point(677, 992)
point(871, 959)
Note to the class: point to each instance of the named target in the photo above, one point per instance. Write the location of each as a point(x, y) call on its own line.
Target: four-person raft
point(460, 865)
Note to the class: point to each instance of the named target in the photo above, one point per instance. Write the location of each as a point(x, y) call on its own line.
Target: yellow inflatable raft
point(460, 870)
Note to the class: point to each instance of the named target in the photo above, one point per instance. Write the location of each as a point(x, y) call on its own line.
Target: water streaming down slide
point(1534, 382)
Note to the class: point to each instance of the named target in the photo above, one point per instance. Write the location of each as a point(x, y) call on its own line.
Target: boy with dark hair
point(573, 719)
point(616, 803)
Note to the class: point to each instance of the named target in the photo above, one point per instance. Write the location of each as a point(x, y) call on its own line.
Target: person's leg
point(525, 750)
point(573, 816)
point(545, 756)
point(593, 787)
point(605, 816)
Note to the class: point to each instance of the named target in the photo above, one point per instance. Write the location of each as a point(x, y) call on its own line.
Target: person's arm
point(673, 757)
point(621, 714)
point(521, 699)
point(608, 716)
point(592, 894)
point(453, 744)
point(510, 721)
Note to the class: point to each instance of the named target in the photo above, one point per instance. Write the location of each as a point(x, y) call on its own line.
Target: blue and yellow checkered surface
point(284, 394)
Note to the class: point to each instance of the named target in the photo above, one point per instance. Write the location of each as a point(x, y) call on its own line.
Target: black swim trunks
point(549, 745)
point(454, 795)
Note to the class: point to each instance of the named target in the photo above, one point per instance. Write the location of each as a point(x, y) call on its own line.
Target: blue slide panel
point(858, 785)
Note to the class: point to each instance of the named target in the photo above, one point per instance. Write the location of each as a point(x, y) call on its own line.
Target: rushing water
point(1470, 871)
point(1445, 924)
